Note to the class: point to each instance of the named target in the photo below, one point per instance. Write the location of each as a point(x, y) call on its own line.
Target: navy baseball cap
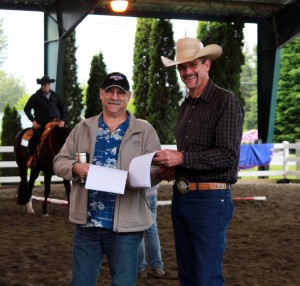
point(116, 79)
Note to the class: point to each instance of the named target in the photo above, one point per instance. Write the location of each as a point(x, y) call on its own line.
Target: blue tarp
point(252, 155)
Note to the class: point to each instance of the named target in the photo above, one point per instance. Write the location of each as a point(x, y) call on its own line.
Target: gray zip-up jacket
point(132, 212)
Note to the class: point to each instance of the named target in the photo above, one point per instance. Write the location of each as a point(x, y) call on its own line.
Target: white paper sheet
point(106, 179)
point(139, 171)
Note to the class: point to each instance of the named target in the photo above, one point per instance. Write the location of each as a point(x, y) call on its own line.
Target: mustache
point(112, 101)
point(187, 76)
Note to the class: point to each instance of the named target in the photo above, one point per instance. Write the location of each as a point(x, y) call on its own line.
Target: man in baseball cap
point(113, 224)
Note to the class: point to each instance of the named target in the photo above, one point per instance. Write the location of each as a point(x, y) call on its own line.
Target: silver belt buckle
point(182, 185)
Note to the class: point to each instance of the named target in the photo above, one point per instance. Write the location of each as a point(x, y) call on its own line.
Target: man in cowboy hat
point(208, 134)
point(46, 106)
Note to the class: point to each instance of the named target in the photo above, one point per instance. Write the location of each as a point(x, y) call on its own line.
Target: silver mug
point(82, 158)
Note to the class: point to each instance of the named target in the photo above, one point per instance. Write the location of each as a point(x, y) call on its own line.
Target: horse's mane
point(59, 134)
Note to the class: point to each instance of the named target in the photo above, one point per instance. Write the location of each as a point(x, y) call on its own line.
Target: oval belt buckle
point(182, 185)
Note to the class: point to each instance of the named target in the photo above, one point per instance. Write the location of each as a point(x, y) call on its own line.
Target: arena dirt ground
point(263, 241)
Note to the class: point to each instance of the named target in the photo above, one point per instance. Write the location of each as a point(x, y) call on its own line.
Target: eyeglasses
point(192, 66)
point(183, 67)
point(120, 93)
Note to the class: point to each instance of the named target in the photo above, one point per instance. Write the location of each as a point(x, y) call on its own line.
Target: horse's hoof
point(45, 215)
point(30, 210)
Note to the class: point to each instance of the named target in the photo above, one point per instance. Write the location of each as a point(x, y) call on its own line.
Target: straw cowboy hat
point(188, 49)
point(44, 80)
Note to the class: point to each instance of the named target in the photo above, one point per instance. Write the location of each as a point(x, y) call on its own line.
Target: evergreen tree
point(11, 125)
point(225, 71)
point(287, 121)
point(164, 95)
point(97, 75)
point(249, 89)
point(71, 91)
point(141, 64)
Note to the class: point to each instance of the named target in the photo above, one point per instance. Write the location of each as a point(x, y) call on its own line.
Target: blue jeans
point(153, 251)
point(200, 221)
point(89, 247)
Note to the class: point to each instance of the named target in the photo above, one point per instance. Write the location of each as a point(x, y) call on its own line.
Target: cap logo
point(116, 77)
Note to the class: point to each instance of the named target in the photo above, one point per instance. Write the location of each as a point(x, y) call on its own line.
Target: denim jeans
point(153, 251)
point(89, 247)
point(200, 221)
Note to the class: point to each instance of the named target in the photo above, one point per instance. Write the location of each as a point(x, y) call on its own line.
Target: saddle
point(28, 134)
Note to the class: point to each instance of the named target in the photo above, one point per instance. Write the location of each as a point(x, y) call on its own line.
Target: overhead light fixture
point(119, 5)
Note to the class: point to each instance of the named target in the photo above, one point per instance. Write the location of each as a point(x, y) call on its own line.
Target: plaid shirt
point(209, 132)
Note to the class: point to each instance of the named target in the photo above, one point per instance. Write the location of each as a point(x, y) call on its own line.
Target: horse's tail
point(20, 157)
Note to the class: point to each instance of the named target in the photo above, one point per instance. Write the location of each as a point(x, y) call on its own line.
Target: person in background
point(108, 224)
point(208, 134)
point(150, 244)
point(46, 106)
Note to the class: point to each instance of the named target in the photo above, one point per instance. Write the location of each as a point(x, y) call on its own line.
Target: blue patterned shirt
point(101, 205)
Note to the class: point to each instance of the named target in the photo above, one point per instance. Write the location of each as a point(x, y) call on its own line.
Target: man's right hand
point(35, 125)
point(167, 174)
point(81, 170)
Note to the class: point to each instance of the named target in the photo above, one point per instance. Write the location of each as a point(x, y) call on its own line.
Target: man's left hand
point(61, 123)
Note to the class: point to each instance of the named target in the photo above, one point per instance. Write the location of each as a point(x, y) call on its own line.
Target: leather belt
point(184, 186)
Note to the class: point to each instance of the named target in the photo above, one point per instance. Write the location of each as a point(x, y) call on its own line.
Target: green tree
point(249, 88)
point(11, 125)
point(250, 121)
point(131, 107)
point(164, 95)
point(141, 63)
point(71, 91)
point(226, 71)
point(22, 102)
point(287, 119)
point(3, 43)
point(97, 75)
point(11, 89)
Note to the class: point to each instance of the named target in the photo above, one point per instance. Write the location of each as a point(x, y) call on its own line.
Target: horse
point(47, 149)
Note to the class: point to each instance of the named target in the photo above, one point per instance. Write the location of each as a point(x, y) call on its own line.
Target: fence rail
point(282, 156)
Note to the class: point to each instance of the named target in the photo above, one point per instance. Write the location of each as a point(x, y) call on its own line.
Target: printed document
point(139, 171)
point(114, 181)
point(106, 179)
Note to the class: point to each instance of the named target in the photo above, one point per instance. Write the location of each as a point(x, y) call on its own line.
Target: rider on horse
point(46, 106)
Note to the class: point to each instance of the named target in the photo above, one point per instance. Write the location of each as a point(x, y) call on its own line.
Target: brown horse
point(44, 162)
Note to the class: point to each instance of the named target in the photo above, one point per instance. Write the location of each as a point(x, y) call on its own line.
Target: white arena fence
point(282, 156)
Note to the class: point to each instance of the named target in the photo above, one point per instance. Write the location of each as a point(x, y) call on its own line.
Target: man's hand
point(35, 125)
point(168, 158)
point(81, 170)
point(167, 174)
point(61, 123)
